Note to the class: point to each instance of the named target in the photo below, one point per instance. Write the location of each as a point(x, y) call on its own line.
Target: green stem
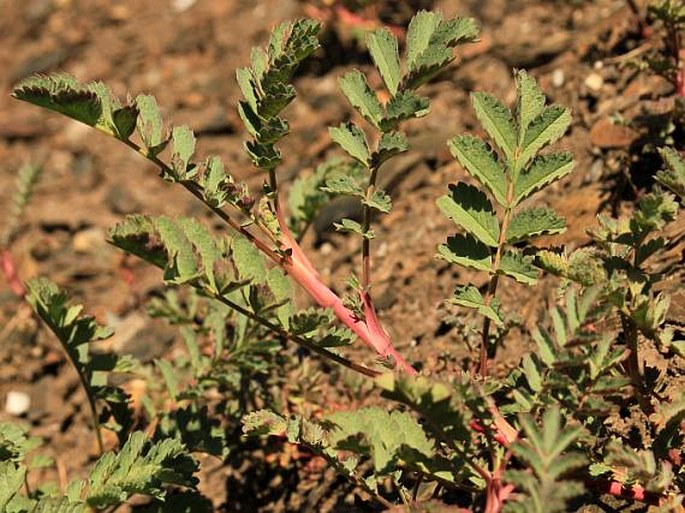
point(366, 225)
point(494, 280)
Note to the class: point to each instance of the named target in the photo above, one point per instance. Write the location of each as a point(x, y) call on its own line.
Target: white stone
point(17, 403)
point(594, 81)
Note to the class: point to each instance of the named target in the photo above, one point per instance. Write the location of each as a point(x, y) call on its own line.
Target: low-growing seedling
point(546, 434)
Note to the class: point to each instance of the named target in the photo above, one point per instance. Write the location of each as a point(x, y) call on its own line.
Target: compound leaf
point(481, 163)
point(140, 467)
point(351, 139)
point(544, 170)
point(183, 141)
point(470, 209)
point(150, 124)
point(497, 121)
point(361, 97)
point(382, 45)
point(531, 222)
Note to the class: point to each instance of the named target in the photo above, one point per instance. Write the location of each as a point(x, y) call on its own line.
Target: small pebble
point(594, 81)
point(182, 5)
point(558, 78)
point(17, 403)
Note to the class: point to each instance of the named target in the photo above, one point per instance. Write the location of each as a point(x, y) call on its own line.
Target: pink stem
point(10, 272)
point(298, 266)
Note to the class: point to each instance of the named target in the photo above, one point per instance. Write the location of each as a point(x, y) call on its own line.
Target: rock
point(90, 240)
point(558, 78)
point(17, 403)
point(606, 134)
point(594, 82)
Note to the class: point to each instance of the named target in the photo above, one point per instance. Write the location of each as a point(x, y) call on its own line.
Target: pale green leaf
point(247, 87)
point(391, 144)
point(343, 184)
point(544, 170)
point(469, 208)
point(545, 129)
point(674, 176)
point(531, 222)
point(382, 45)
point(379, 200)
point(150, 124)
point(404, 105)
point(183, 142)
point(248, 260)
point(531, 101)
point(497, 121)
point(470, 297)
point(11, 479)
point(182, 266)
point(350, 226)
point(280, 286)
point(518, 267)
point(419, 34)
point(481, 163)
point(428, 64)
point(361, 97)
point(466, 251)
point(205, 244)
point(351, 139)
point(456, 31)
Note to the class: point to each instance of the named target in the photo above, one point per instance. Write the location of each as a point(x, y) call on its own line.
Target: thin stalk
point(86, 389)
point(494, 280)
point(366, 225)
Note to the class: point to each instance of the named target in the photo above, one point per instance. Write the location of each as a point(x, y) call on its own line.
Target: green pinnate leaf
point(419, 34)
point(361, 97)
point(544, 170)
point(141, 466)
point(391, 144)
point(519, 267)
point(498, 122)
point(382, 45)
point(351, 139)
point(469, 208)
point(531, 101)
point(246, 83)
point(545, 129)
point(673, 177)
point(183, 147)
point(470, 297)
point(531, 222)
point(466, 251)
point(137, 235)
point(480, 162)
point(552, 262)
point(263, 423)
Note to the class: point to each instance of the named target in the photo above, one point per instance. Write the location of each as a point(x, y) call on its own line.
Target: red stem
point(370, 330)
point(9, 270)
